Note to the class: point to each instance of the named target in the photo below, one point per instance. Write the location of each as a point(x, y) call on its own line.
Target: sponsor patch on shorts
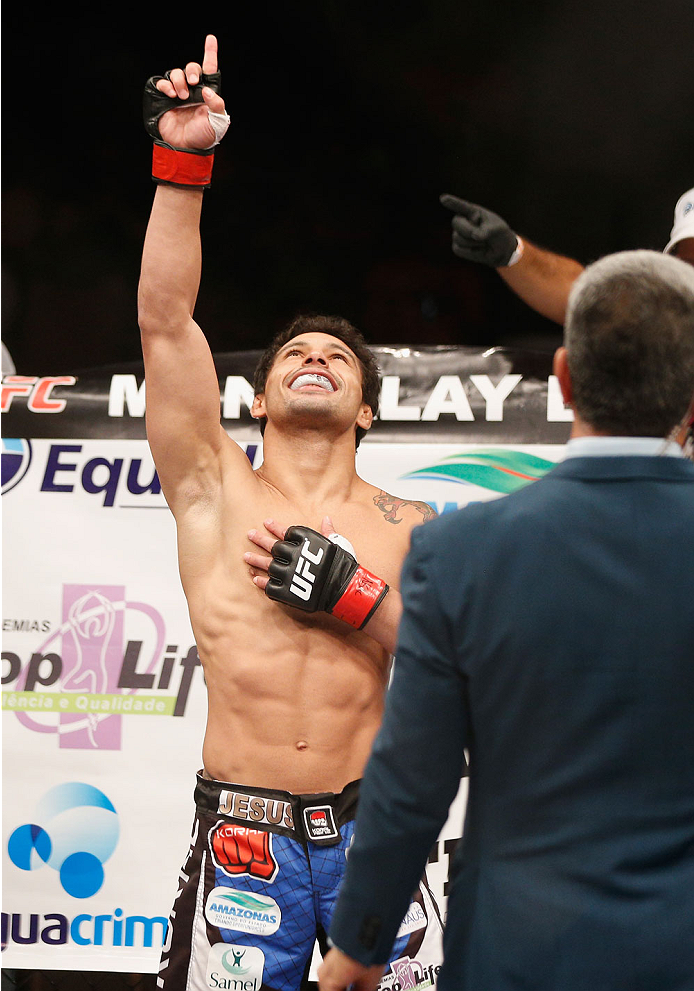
point(256, 809)
point(319, 822)
point(239, 850)
point(235, 968)
point(244, 911)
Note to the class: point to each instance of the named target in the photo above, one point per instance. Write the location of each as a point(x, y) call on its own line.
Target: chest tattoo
point(392, 507)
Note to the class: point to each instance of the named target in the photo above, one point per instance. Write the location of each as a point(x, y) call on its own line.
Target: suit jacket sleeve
point(414, 770)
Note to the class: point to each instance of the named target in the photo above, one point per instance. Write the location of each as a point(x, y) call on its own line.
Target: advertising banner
point(103, 697)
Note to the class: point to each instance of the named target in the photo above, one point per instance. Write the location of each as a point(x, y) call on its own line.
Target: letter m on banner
point(124, 391)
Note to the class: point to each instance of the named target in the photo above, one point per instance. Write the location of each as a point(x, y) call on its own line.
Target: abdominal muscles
point(297, 709)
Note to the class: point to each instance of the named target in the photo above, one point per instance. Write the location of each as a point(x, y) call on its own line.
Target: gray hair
point(629, 336)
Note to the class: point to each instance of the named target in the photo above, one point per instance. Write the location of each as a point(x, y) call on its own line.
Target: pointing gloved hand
point(184, 113)
point(480, 235)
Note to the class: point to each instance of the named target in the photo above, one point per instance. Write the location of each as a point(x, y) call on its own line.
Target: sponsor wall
point(102, 692)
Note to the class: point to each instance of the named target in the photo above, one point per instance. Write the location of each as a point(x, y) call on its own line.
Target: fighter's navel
point(301, 745)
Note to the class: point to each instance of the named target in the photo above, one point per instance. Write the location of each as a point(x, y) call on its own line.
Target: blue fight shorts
point(258, 889)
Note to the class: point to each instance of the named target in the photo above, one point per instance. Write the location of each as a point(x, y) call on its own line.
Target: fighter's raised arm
point(185, 115)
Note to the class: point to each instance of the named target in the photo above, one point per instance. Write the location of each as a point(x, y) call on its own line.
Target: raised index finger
point(209, 61)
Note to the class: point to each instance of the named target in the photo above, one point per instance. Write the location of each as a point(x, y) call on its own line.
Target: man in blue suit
point(551, 634)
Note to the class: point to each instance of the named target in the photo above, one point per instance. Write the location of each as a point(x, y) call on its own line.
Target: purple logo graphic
point(408, 973)
point(92, 661)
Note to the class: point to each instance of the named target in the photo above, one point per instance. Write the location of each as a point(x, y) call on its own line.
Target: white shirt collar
point(591, 447)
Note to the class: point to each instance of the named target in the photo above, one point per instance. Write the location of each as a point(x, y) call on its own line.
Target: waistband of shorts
point(303, 817)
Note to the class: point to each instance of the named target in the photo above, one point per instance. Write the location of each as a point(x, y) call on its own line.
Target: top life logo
point(87, 658)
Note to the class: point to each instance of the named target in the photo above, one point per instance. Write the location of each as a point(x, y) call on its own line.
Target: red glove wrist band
point(360, 599)
point(182, 168)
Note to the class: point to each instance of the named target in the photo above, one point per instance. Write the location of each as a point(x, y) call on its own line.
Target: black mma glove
point(312, 573)
point(480, 235)
point(178, 166)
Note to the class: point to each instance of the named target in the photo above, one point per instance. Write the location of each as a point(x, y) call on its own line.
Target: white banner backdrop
point(103, 698)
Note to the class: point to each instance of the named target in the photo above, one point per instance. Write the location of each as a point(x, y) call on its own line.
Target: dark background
point(572, 120)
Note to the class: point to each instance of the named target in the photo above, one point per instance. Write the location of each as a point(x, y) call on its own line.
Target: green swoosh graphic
point(246, 900)
point(498, 470)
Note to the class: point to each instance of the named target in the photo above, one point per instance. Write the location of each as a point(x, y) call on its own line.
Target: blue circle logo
point(75, 833)
point(16, 458)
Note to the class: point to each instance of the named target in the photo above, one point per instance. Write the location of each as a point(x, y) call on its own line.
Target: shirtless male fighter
point(295, 698)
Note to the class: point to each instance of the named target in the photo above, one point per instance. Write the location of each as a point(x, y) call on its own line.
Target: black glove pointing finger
point(186, 120)
point(480, 235)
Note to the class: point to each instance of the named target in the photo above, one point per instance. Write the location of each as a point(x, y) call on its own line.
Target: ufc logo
point(37, 389)
point(303, 578)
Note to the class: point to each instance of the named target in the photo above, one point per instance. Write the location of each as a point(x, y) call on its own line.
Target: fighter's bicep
point(182, 404)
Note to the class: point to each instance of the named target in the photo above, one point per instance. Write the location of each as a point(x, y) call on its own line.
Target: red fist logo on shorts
point(240, 850)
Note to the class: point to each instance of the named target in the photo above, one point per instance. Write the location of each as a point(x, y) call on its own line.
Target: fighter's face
point(314, 375)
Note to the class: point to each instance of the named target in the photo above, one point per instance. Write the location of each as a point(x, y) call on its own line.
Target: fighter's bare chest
point(380, 544)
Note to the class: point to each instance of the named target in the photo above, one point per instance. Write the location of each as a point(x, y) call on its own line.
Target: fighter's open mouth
point(312, 378)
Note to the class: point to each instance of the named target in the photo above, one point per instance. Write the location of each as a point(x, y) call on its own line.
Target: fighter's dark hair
point(337, 327)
